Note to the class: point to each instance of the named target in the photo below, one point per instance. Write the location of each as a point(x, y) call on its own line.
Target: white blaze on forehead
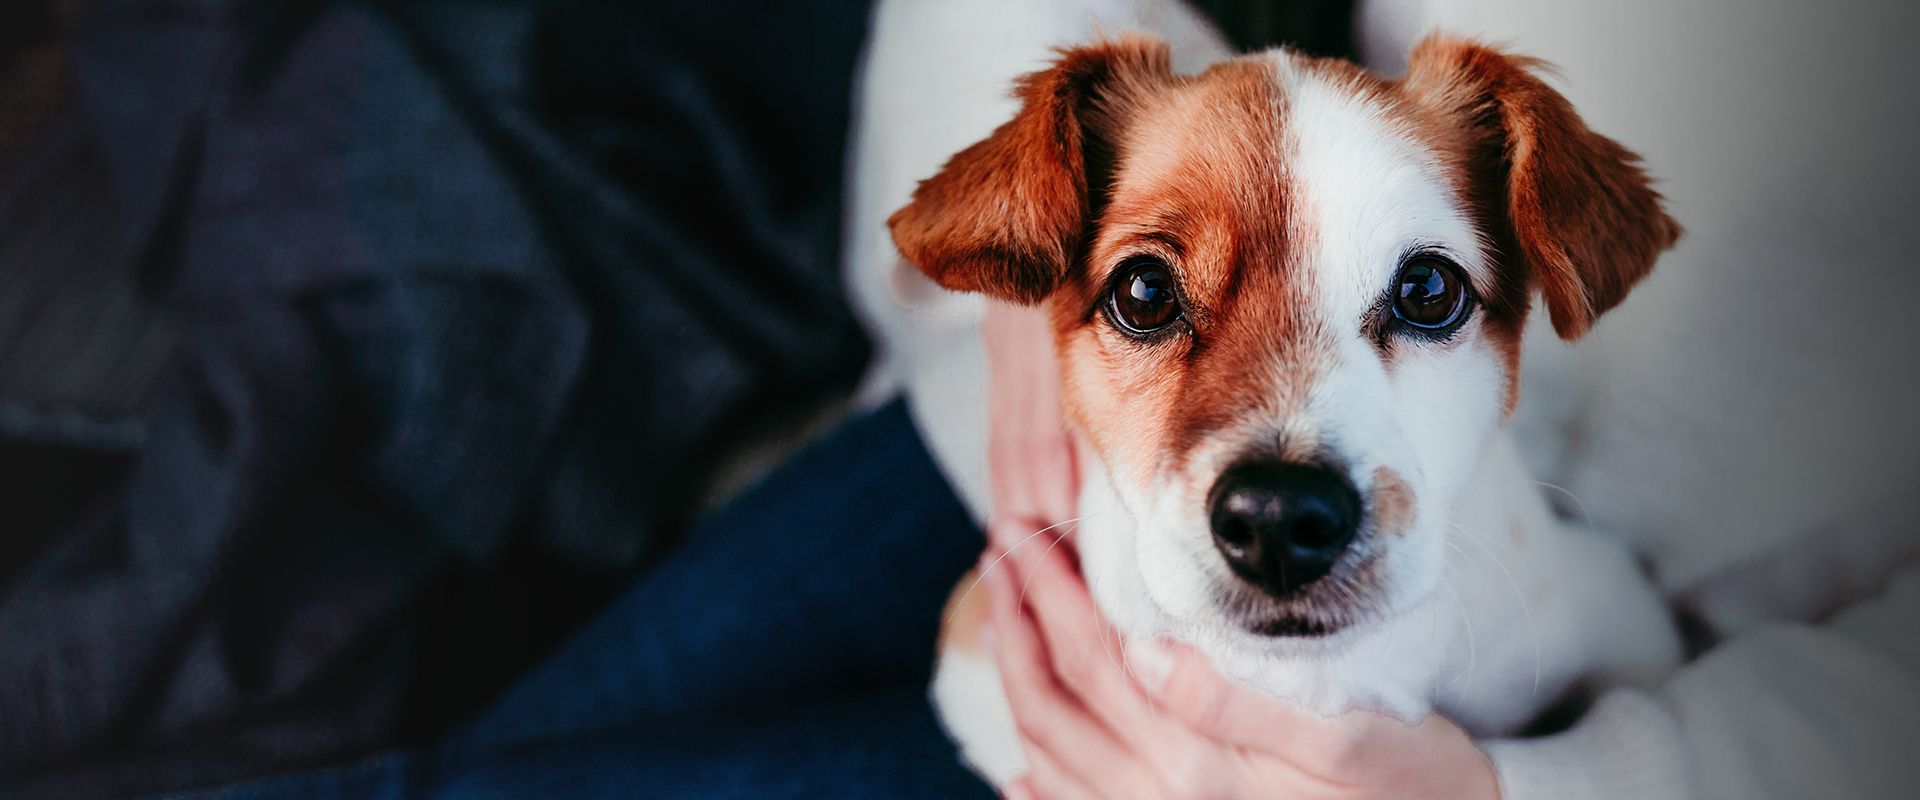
point(1365, 192)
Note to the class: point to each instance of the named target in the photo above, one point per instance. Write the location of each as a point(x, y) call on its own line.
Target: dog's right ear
point(1006, 216)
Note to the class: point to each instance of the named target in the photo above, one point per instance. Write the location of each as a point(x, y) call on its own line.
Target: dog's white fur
point(1530, 607)
point(1492, 607)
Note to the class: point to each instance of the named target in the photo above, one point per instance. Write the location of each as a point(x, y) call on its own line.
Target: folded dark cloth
point(475, 299)
point(783, 651)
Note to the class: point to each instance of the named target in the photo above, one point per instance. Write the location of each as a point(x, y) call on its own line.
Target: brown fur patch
point(1201, 182)
point(1573, 207)
point(1390, 503)
point(1005, 216)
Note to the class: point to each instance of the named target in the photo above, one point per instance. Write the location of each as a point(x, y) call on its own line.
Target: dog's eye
point(1429, 293)
point(1142, 299)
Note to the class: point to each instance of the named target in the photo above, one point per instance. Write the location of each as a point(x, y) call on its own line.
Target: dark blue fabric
point(783, 651)
point(475, 300)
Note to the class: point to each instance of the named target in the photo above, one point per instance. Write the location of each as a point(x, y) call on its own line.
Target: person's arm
point(1780, 711)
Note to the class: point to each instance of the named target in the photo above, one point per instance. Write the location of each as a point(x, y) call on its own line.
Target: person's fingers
point(1048, 779)
point(1086, 656)
point(1012, 534)
point(1050, 719)
point(1044, 712)
point(1018, 789)
point(1011, 485)
point(1055, 475)
point(1183, 683)
point(1030, 455)
point(1034, 472)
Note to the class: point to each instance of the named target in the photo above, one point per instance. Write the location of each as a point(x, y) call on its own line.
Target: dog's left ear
point(1006, 216)
point(1582, 212)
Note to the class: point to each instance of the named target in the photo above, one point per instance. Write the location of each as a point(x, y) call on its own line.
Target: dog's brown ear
point(1582, 213)
point(1006, 216)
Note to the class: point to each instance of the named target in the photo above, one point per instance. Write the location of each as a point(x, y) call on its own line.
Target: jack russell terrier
point(1287, 297)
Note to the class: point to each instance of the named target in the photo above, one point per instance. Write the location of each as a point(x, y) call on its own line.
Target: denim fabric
point(476, 303)
point(783, 651)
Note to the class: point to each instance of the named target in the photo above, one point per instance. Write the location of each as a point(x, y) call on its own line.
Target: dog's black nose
point(1282, 526)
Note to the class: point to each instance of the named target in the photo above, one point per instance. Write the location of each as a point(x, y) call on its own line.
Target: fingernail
point(1151, 661)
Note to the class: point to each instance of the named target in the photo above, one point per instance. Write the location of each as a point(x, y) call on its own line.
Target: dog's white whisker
point(1029, 581)
point(948, 618)
point(1586, 518)
point(1486, 542)
point(1466, 616)
point(1526, 607)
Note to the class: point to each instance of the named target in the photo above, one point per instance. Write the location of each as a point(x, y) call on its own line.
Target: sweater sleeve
point(1780, 711)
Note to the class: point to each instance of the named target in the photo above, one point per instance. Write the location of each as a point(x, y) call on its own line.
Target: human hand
point(1034, 474)
point(1099, 717)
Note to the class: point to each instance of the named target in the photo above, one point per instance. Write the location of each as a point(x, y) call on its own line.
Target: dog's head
point(1287, 296)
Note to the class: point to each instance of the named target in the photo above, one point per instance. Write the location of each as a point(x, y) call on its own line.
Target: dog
point(1287, 297)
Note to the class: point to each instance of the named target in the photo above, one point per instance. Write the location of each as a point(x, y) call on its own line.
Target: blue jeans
point(783, 650)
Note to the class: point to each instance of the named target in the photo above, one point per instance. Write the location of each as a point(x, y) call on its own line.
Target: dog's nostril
point(1282, 526)
point(1315, 532)
point(1235, 532)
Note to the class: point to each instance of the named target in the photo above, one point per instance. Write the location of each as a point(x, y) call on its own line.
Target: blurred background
point(355, 355)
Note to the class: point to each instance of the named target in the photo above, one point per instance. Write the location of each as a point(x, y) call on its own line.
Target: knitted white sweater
point(1765, 467)
point(1783, 707)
